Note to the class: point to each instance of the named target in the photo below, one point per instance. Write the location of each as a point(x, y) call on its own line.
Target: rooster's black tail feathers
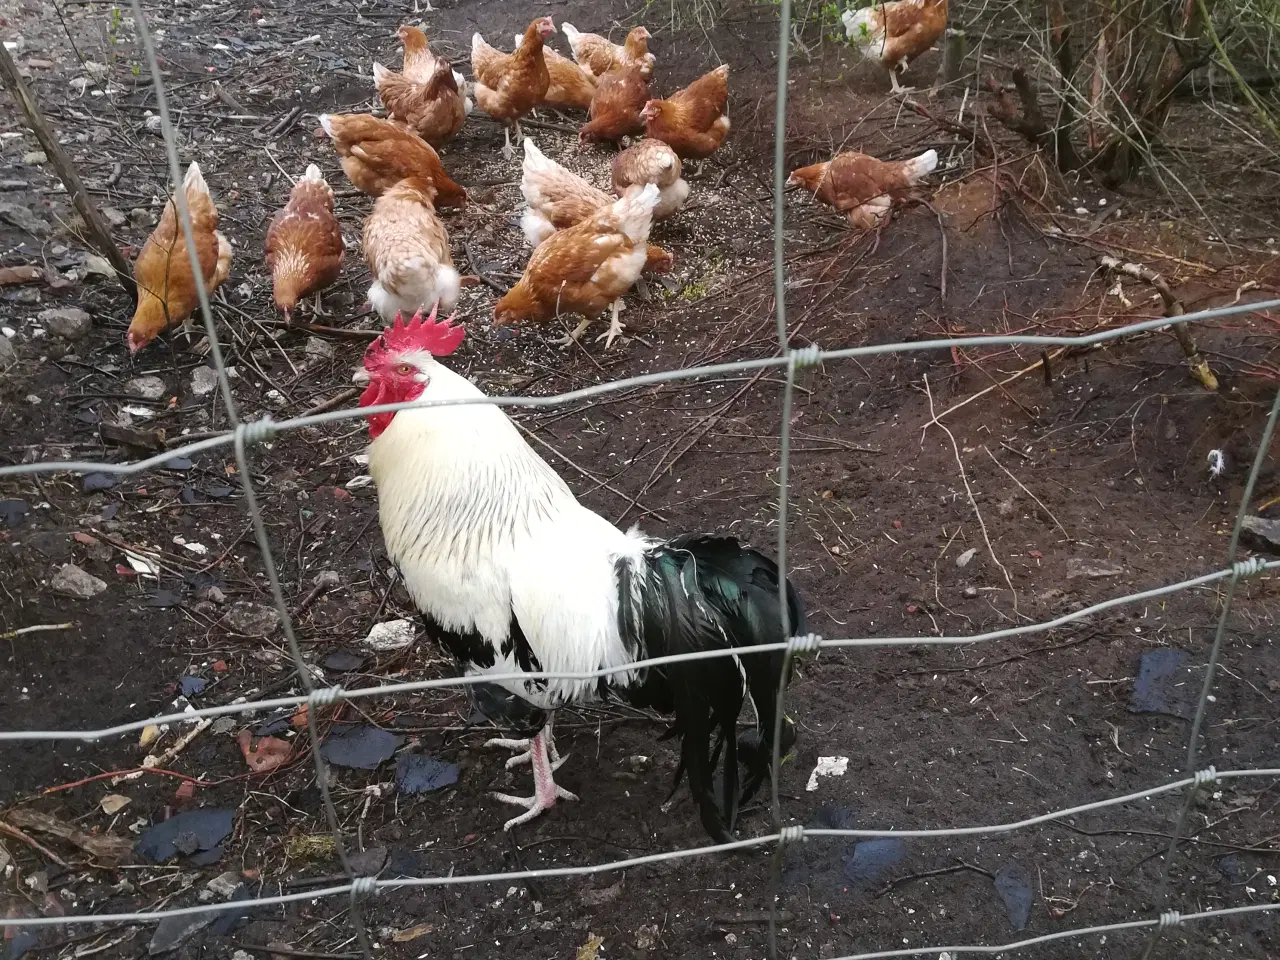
point(698, 593)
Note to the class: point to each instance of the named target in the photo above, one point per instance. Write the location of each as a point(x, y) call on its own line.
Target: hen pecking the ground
point(304, 244)
point(167, 293)
point(863, 187)
point(406, 248)
point(377, 154)
point(692, 121)
point(586, 268)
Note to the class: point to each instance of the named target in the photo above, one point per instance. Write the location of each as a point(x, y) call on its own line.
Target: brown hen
point(652, 161)
point(571, 87)
point(509, 85)
point(897, 32)
point(434, 108)
point(615, 109)
point(598, 56)
point(863, 187)
point(304, 244)
point(586, 268)
point(166, 283)
point(692, 121)
point(377, 154)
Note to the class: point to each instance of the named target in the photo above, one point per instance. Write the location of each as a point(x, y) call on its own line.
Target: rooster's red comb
point(437, 337)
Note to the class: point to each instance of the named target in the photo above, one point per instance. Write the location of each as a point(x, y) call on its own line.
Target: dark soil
point(1108, 448)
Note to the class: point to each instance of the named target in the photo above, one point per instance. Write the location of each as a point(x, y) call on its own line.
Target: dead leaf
point(412, 933)
point(599, 896)
point(113, 803)
point(110, 851)
point(10, 276)
point(591, 949)
point(266, 755)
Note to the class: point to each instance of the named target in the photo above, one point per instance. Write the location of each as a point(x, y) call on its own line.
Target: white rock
point(316, 347)
point(204, 381)
point(148, 388)
point(827, 767)
point(962, 561)
point(70, 323)
point(391, 635)
point(71, 581)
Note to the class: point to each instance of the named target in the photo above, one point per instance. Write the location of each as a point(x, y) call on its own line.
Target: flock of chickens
point(509, 572)
point(589, 247)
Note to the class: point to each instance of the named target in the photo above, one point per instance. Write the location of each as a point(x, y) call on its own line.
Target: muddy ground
point(1061, 488)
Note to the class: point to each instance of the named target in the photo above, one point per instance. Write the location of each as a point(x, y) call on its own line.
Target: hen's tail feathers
point(326, 123)
point(922, 165)
point(570, 32)
point(313, 173)
point(380, 73)
point(194, 180)
point(704, 593)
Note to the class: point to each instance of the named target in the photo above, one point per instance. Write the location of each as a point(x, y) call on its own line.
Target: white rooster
point(512, 575)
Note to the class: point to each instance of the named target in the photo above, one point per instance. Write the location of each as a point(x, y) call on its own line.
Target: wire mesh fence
point(243, 435)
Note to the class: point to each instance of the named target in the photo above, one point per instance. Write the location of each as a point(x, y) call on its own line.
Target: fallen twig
point(973, 502)
point(333, 402)
point(9, 830)
point(110, 850)
point(1172, 308)
point(1010, 475)
point(37, 628)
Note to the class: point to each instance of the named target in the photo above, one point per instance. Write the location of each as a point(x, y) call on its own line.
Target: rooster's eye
point(404, 369)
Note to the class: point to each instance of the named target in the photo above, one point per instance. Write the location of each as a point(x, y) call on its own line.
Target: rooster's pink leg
point(545, 790)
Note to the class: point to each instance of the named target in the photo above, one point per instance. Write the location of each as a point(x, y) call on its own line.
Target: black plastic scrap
point(196, 835)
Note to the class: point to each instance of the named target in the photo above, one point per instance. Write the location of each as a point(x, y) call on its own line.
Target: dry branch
point(1172, 308)
point(96, 227)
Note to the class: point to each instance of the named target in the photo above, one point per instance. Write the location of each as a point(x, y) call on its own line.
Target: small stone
point(149, 388)
point(1091, 569)
point(70, 323)
point(391, 635)
point(34, 158)
point(223, 725)
point(970, 593)
point(224, 884)
point(114, 217)
point(71, 581)
point(252, 619)
point(8, 356)
point(320, 349)
point(963, 560)
point(140, 217)
point(24, 218)
point(154, 123)
point(204, 381)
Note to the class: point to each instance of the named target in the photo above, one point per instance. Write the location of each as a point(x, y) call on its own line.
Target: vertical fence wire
point(1193, 741)
point(244, 433)
point(784, 457)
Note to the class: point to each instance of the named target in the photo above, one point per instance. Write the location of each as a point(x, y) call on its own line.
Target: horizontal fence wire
point(323, 696)
point(266, 428)
point(242, 436)
point(786, 836)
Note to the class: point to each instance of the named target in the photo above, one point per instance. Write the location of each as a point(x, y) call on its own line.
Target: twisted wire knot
point(1170, 918)
point(805, 643)
point(791, 834)
point(1205, 777)
point(256, 431)
point(362, 887)
point(1249, 568)
point(325, 696)
point(809, 356)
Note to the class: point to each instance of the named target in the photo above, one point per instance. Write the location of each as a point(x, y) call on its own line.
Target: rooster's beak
point(360, 377)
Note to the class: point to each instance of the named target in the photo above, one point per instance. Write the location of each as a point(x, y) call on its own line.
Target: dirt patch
point(1099, 461)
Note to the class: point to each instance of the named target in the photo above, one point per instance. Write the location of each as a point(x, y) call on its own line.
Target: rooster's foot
point(542, 756)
